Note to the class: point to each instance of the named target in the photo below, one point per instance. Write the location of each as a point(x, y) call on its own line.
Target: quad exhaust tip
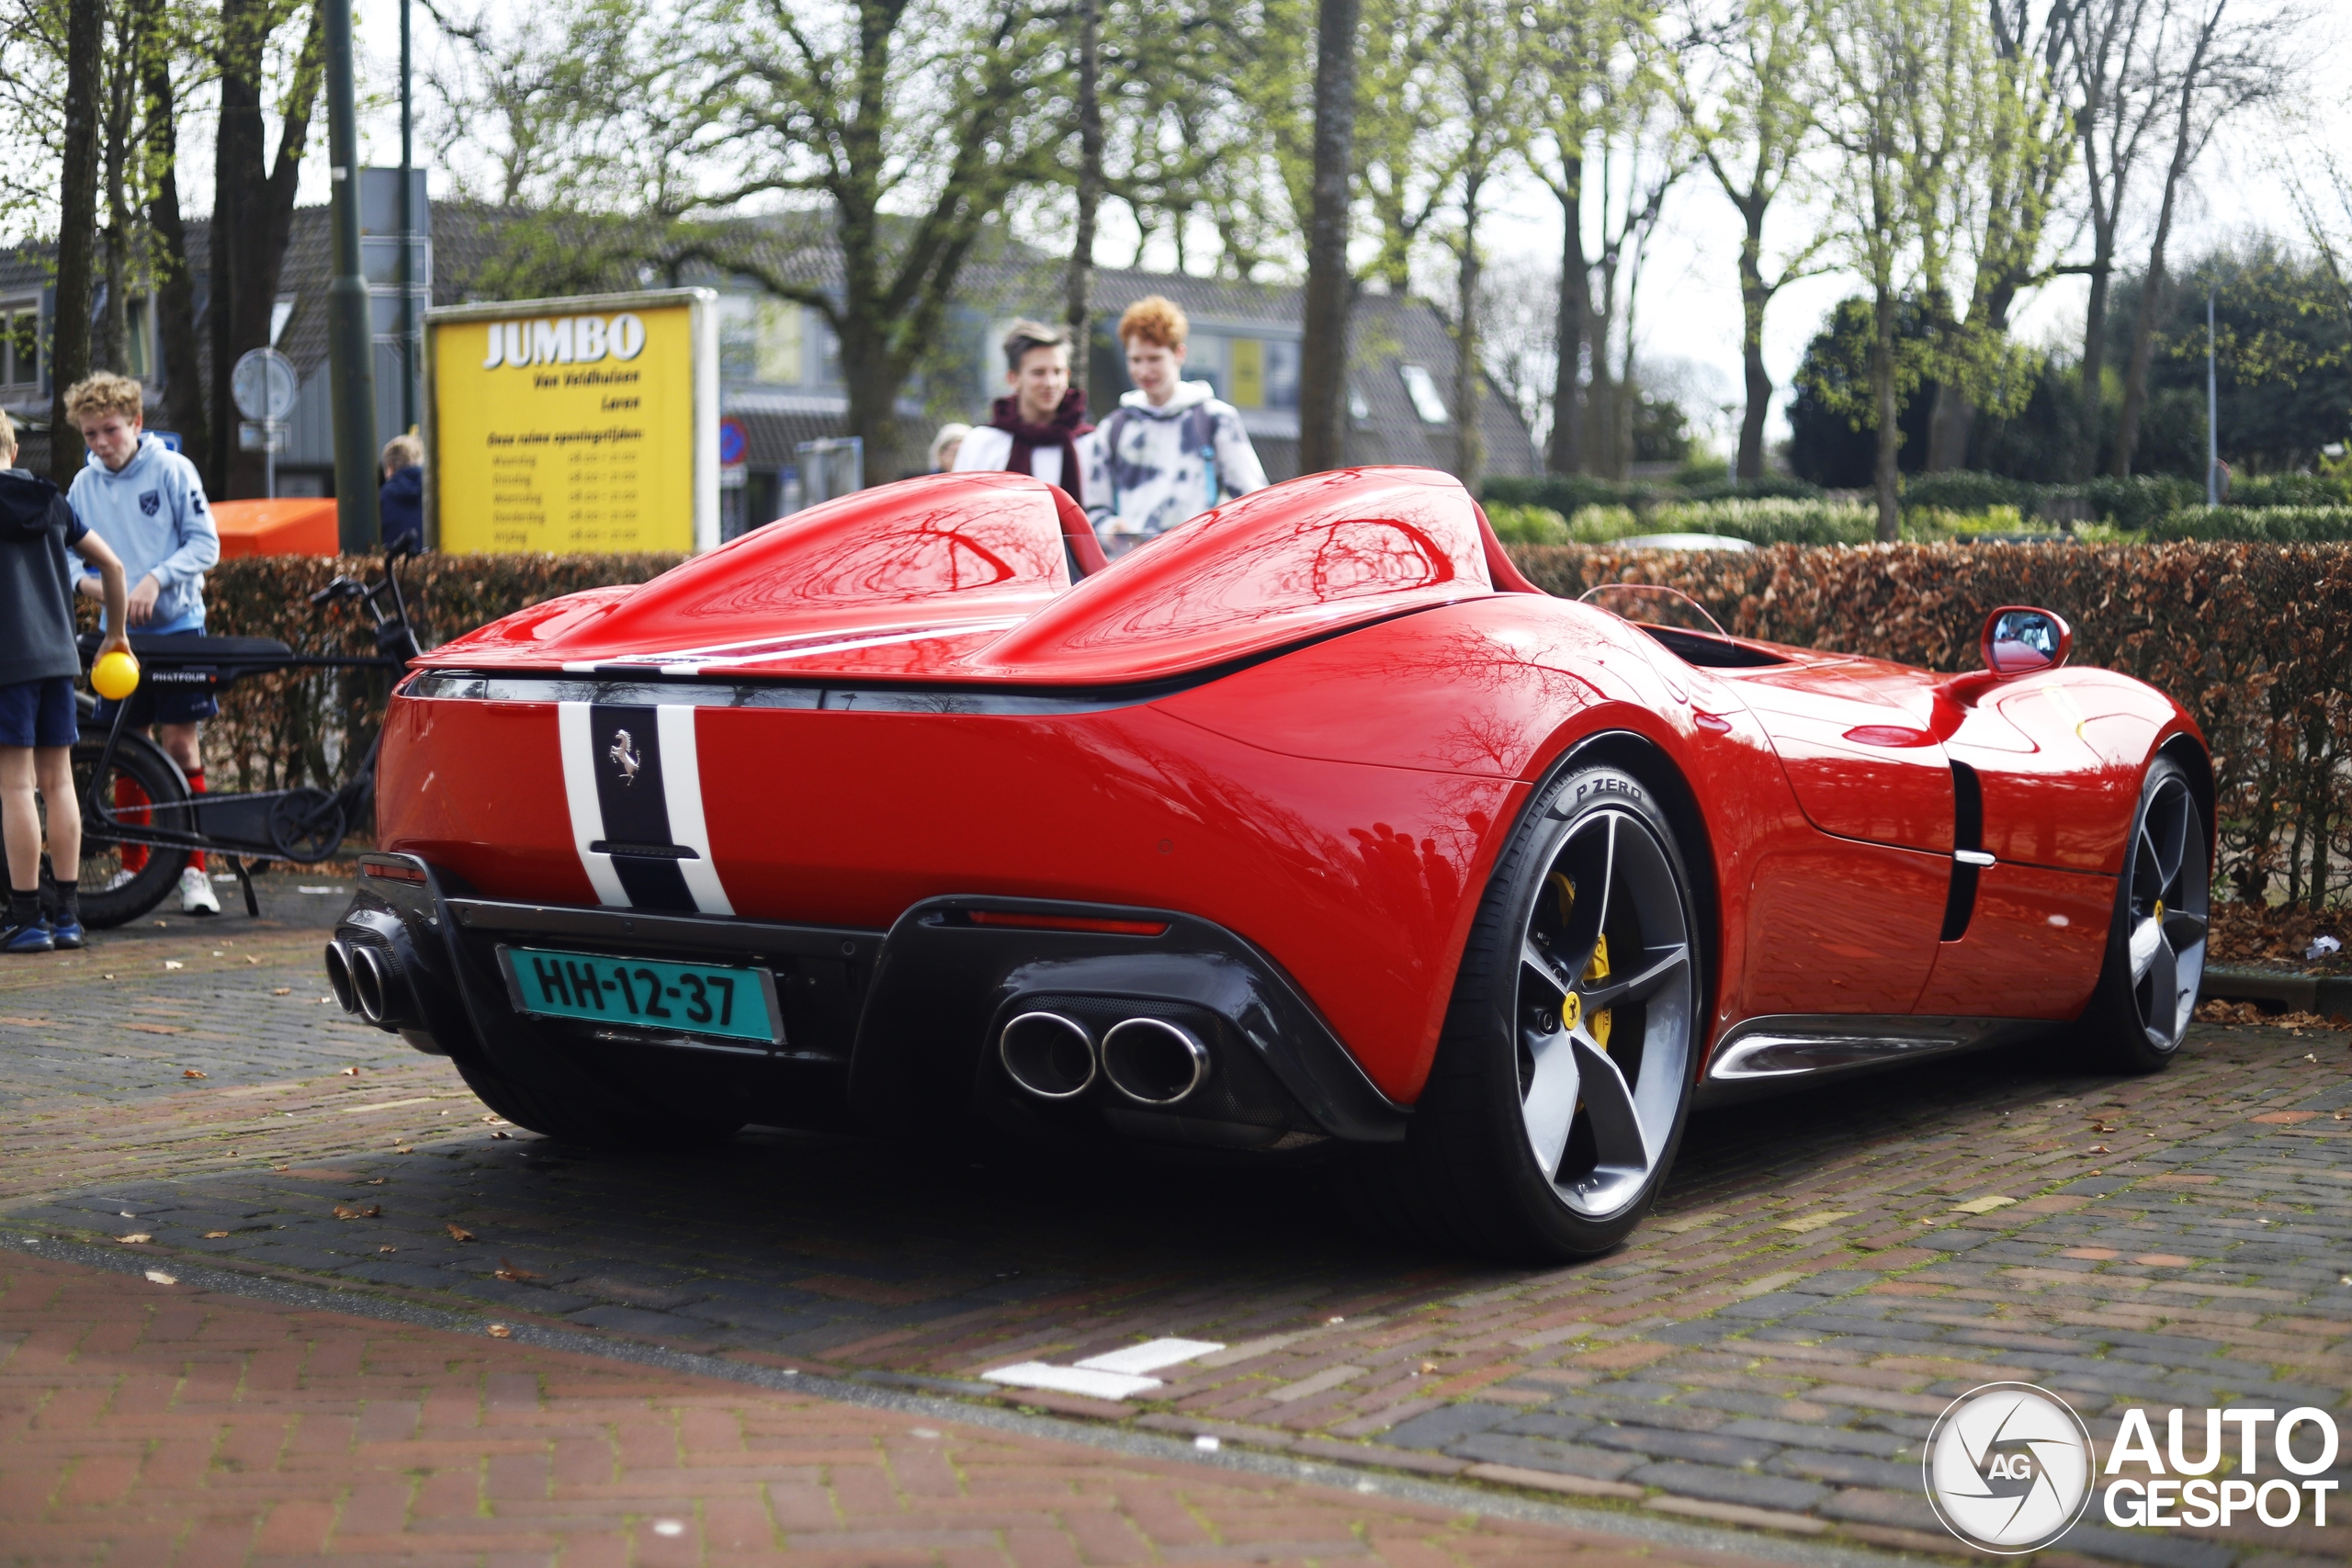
point(338, 962)
point(1154, 1061)
point(376, 984)
point(1049, 1056)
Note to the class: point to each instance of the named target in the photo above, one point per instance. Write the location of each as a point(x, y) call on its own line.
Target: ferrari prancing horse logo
point(624, 757)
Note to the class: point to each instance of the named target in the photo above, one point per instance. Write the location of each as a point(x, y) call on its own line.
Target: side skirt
point(1759, 1057)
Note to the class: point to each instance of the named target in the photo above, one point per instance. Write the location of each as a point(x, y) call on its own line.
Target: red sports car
point(1313, 821)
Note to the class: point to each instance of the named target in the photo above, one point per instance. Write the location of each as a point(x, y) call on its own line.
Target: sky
point(1690, 306)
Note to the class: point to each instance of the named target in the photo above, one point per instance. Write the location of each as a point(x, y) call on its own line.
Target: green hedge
point(2254, 638)
point(2273, 524)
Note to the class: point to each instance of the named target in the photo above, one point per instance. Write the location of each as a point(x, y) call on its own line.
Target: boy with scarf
point(1039, 426)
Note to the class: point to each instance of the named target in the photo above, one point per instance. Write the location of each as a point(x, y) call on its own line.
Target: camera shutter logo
point(2008, 1467)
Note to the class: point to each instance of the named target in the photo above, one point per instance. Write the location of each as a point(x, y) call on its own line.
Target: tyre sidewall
point(1489, 1036)
point(2113, 1016)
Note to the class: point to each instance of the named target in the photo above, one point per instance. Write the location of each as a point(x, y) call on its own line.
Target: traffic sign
point(734, 443)
point(263, 384)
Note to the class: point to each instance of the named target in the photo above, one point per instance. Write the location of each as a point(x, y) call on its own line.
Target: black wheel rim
point(2165, 913)
point(1604, 1010)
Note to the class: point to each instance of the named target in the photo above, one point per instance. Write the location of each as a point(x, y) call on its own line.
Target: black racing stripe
point(631, 801)
point(654, 884)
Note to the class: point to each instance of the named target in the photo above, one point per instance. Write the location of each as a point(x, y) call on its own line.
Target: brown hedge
point(2255, 639)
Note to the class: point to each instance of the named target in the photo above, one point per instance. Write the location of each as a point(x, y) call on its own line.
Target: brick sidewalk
point(159, 1425)
point(1824, 1273)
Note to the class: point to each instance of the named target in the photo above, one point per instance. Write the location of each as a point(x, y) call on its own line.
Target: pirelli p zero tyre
point(1562, 1076)
point(2155, 944)
point(582, 1113)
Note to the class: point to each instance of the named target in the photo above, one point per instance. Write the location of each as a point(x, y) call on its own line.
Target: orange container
point(295, 525)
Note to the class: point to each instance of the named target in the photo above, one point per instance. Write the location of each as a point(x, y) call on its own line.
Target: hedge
point(2271, 524)
point(2253, 639)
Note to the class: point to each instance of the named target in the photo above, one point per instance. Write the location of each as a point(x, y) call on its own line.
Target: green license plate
point(645, 993)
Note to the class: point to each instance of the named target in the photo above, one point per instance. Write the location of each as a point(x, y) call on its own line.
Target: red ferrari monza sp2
point(1312, 820)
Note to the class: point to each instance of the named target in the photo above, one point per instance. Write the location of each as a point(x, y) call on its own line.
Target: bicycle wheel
point(121, 882)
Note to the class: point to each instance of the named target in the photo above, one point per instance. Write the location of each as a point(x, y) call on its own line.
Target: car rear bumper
point(900, 1028)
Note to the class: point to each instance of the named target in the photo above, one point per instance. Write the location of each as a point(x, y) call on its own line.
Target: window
point(777, 344)
point(138, 347)
point(20, 345)
point(1422, 390)
point(1282, 374)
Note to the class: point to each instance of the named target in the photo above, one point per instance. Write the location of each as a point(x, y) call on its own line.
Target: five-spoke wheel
point(2156, 950)
point(1562, 1079)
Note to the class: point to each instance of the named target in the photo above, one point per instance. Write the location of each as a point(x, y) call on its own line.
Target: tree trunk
point(872, 379)
point(68, 349)
point(2094, 395)
point(2143, 322)
point(1754, 296)
point(111, 338)
point(1565, 454)
point(175, 285)
point(1950, 425)
point(253, 212)
point(1323, 357)
point(1601, 455)
point(1080, 276)
point(1469, 450)
point(1890, 436)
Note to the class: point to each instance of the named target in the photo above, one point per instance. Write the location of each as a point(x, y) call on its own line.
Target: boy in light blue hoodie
point(147, 503)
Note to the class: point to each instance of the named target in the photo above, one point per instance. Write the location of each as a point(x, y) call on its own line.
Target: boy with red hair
point(1171, 449)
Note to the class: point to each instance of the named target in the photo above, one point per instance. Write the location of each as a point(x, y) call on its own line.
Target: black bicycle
point(140, 823)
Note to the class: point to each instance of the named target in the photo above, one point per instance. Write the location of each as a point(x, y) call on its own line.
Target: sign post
point(585, 425)
point(264, 387)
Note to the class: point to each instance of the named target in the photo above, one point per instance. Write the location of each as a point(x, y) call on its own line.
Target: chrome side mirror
point(2022, 640)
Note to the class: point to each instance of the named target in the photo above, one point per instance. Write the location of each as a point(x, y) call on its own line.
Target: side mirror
point(2022, 640)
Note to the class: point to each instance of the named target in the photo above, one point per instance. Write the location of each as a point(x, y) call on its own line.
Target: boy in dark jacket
point(401, 503)
point(38, 721)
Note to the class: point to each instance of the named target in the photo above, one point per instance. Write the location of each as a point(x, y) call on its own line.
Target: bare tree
point(1486, 84)
point(77, 223)
point(2113, 57)
point(1751, 114)
point(2221, 66)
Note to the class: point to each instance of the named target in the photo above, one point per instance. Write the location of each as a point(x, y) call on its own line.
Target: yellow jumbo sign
point(577, 426)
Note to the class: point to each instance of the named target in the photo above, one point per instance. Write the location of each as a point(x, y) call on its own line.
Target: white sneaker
point(195, 894)
point(121, 879)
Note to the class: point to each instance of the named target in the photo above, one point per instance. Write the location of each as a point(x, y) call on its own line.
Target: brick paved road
point(1824, 1274)
point(162, 1425)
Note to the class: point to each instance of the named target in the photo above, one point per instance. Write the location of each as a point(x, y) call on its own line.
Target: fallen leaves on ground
point(511, 1274)
point(174, 964)
point(502, 1134)
point(134, 1239)
point(215, 1236)
point(351, 1072)
point(402, 1149)
point(281, 991)
point(191, 1072)
point(352, 1211)
point(388, 1246)
point(499, 1331)
point(458, 1233)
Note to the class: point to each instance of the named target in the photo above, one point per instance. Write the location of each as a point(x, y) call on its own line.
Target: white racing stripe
point(576, 738)
point(682, 787)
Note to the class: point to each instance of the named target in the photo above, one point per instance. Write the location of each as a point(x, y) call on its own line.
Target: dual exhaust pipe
point(367, 980)
point(1149, 1060)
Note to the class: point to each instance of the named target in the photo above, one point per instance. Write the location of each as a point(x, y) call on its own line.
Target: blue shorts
point(156, 703)
point(40, 713)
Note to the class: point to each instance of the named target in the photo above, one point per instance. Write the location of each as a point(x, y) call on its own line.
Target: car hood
point(964, 577)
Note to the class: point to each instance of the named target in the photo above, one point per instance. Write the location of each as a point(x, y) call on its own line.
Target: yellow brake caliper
point(1598, 1024)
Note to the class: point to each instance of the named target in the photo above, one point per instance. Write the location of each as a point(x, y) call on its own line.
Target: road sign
point(263, 384)
point(734, 443)
point(261, 435)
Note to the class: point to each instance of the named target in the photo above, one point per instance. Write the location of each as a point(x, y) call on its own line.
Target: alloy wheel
point(1605, 1003)
point(2167, 910)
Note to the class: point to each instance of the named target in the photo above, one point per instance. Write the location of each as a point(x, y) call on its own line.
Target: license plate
point(645, 993)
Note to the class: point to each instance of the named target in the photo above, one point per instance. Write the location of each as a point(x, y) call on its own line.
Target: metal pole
point(269, 459)
point(351, 348)
point(2212, 412)
point(408, 231)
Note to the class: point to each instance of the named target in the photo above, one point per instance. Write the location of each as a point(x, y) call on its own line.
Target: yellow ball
point(115, 675)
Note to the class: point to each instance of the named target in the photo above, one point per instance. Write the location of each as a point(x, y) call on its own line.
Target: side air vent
point(1968, 844)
